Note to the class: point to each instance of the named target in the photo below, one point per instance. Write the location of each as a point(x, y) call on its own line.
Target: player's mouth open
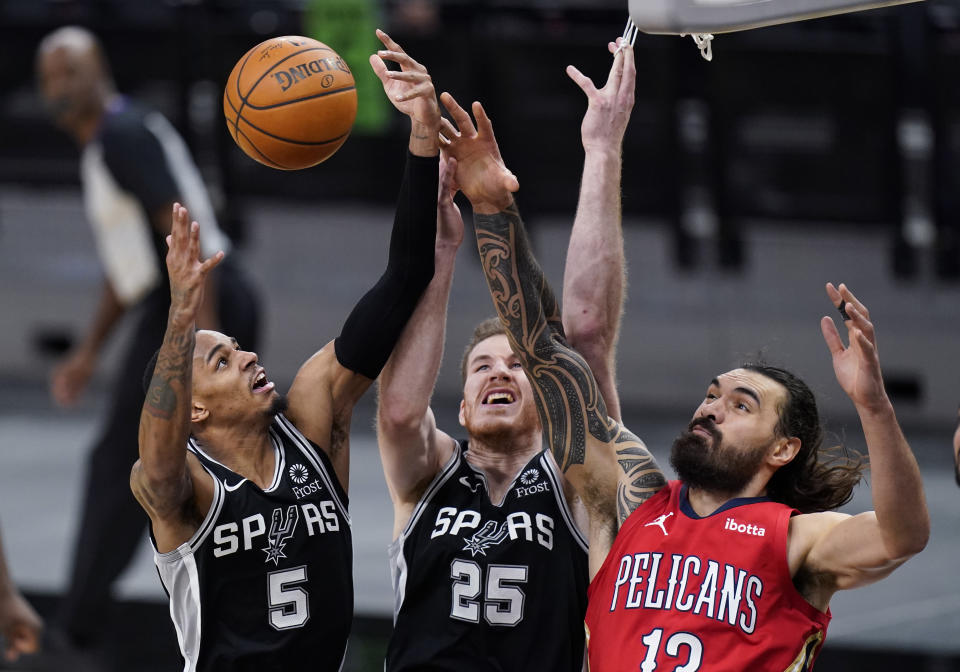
point(498, 398)
point(260, 383)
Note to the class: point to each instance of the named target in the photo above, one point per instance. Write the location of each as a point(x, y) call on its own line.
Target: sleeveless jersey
point(266, 583)
point(484, 587)
point(709, 594)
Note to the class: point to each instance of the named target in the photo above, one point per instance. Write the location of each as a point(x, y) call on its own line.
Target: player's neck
point(501, 461)
point(705, 502)
point(249, 454)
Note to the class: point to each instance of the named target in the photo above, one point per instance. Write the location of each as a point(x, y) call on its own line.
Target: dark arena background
point(827, 150)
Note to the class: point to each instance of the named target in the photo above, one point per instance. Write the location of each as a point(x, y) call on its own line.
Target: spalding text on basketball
point(287, 78)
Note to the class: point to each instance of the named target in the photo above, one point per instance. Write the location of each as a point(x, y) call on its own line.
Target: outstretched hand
point(449, 220)
point(857, 366)
point(187, 270)
point(411, 91)
point(481, 173)
point(608, 109)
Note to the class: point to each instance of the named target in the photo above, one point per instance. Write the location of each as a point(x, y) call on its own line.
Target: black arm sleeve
point(373, 327)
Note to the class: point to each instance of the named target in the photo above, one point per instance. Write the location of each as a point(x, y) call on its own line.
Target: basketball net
point(704, 41)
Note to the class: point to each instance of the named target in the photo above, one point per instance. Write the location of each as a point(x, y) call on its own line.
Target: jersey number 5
point(289, 606)
point(502, 603)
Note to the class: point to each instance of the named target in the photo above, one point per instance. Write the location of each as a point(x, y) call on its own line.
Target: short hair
point(75, 38)
point(817, 479)
point(489, 327)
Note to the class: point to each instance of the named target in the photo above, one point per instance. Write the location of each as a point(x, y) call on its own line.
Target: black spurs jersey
point(266, 583)
point(482, 587)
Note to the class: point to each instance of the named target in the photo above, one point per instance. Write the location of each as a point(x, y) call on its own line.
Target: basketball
point(290, 102)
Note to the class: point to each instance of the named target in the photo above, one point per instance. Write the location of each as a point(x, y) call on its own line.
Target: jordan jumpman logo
point(659, 521)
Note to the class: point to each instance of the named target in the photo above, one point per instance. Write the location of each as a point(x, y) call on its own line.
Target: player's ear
point(198, 411)
point(784, 451)
point(463, 422)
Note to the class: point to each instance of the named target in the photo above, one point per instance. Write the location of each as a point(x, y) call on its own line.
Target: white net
point(704, 42)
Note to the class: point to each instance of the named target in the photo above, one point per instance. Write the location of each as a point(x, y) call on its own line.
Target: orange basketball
point(290, 102)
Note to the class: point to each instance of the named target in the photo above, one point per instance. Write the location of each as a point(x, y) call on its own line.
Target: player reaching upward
point(489, 562)
point(739, 571)
point(246, 490)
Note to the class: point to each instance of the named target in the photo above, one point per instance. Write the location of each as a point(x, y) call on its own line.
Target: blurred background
point(827, 150)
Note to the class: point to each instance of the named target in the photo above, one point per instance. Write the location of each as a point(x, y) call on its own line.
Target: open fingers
point(212, 262)
point(616, 70)
point(447, 130)
point(422, 89)
point(834, 294)
point(180, 227)
point(484, 126)
point(194, 245)
point(628, 81)
point(388, 41)
point(831, 335)
point(848, 296)
point(402, 59)
point(460, 116)
point(379, 67)
point(585, 83)
point(858, 321)
point(413, 76)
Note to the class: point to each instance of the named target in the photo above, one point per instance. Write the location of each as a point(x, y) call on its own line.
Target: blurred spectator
point(416, 17)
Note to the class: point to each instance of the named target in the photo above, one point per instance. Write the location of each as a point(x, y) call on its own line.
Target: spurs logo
point(472, 485)
point(281, 529)
point(659, 522)
point(489, 535)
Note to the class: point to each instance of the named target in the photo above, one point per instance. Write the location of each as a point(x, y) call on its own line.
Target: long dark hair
point(817, 479)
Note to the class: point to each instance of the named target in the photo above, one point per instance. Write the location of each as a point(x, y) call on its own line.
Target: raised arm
point(329, 384)
point(857, 550)
point(162, 480)
point(412, 448)
point(595, 273)
point(610, 468)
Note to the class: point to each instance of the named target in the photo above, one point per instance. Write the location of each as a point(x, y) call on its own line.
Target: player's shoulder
point(806, 529)
point(322, 366)
point(812, 525)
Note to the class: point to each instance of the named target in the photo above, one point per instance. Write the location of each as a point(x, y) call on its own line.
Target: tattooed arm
point(610, 468)
point(163, 480)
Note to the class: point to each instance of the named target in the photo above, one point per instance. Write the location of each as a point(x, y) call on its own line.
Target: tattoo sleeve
point(568, 400)
point(164, 424)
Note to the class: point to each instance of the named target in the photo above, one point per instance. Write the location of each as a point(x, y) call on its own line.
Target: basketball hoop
point(702, 19)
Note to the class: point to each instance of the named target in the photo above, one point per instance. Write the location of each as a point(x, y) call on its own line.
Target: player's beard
point(277, 406)
point(714, 466)
point(505, 433)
